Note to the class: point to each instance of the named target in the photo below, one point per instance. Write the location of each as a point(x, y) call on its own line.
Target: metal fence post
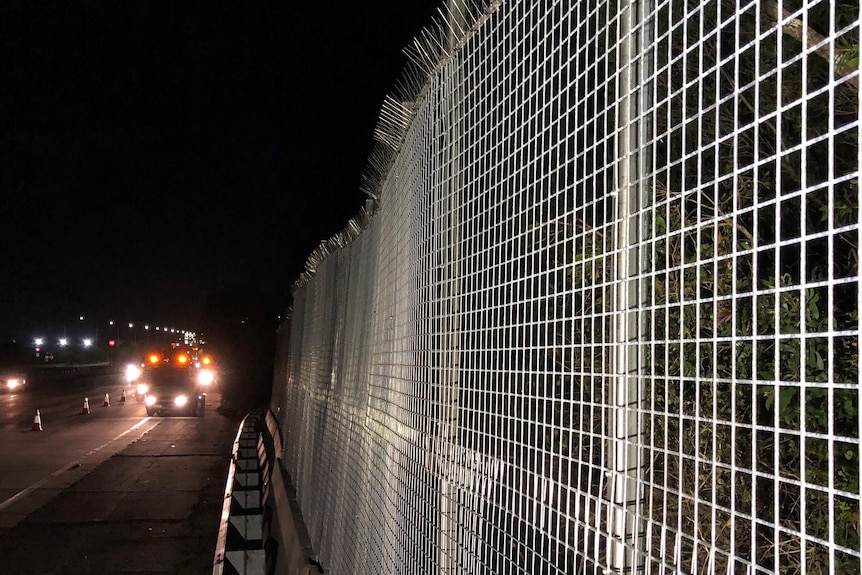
point(625, 487)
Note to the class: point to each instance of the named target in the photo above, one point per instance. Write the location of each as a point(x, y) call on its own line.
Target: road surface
point(112, 491)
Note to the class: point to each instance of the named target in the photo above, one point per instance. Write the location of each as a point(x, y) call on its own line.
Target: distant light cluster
point(79, 335)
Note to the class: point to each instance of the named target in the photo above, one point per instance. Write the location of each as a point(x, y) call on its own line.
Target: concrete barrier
point(60, 372)
point(261, 530)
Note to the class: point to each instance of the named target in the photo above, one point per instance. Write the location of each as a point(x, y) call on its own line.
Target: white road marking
point(75, 464)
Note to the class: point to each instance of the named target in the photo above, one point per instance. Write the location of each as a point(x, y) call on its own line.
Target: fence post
point(449, 296)
point(625, 523)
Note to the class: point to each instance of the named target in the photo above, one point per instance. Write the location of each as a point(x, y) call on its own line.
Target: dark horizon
point(155, 156)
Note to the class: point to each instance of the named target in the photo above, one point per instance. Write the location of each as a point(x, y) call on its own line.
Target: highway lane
point(67, 436)
point(113, 491)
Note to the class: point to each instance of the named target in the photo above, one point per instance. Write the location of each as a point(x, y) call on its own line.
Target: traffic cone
point(123, 397)
point(86, 408)
point(107, 401)
point(37, 422)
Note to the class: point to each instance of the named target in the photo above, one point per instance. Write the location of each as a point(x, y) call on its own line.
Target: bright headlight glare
point(205, 377)
point(150, 400)
point(12, 383)
point(143, 388)
point(133, 372)
point(181, 400)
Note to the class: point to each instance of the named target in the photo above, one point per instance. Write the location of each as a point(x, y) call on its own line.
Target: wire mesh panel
point(752, 459)
point(605, 316)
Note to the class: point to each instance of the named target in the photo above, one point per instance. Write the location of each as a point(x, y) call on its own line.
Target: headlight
point(133, 372)
point(143, 388)
point(13, 383)
point(205, 377)
point(181, 400)
point(150, 400)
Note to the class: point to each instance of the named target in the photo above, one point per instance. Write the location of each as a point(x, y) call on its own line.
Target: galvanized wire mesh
point(605, 317)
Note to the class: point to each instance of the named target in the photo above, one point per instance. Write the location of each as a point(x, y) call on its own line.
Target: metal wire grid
point(751, 450)
point(606, 317)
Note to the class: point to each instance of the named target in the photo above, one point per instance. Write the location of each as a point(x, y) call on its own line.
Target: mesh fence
point(605, 315)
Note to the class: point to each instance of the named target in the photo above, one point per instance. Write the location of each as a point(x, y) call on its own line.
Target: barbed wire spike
point(430, 49)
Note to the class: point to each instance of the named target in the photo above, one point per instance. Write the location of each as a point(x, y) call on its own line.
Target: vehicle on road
point(171, 384)
point(132, 376)
point(12, 380)
point(13, 375)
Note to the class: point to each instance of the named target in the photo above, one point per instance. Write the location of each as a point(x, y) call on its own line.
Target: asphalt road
point(112, 491)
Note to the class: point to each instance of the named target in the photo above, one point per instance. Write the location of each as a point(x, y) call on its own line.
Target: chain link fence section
point(602, 316)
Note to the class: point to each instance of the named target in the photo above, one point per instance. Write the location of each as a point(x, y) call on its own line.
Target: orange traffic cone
point(123, 397)
point(107, 401)
point(86, 408)
point(37, 422)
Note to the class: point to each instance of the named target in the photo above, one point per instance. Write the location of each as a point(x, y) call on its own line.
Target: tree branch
point(794, 28)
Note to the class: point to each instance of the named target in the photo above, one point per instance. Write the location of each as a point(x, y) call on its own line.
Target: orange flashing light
point(154, 358)
point(206, 360)
point(182, 359)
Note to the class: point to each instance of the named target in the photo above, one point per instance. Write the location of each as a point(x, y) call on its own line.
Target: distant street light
point(38, 341)
point(87, 342)
point(64, 342)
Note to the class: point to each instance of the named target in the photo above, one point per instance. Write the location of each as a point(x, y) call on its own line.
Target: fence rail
point(602, 312)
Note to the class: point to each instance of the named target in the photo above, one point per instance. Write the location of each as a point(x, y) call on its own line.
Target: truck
point(171, 383)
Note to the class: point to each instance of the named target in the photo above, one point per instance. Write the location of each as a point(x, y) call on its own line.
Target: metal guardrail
point(261, 529)
point(58, 370)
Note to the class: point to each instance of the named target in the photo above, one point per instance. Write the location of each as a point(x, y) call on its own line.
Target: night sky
point(155, 153)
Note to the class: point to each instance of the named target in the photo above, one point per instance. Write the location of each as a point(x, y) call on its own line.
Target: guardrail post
point(261, 529)
point(244, 548)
